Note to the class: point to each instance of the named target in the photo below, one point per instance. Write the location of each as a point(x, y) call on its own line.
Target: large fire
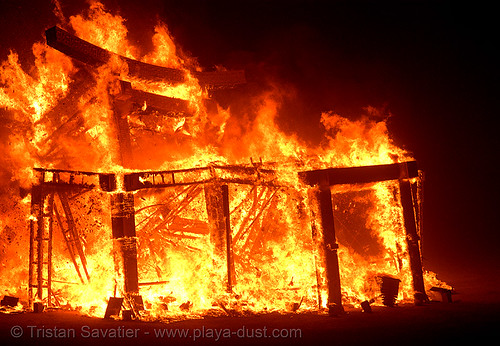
point(75, 124)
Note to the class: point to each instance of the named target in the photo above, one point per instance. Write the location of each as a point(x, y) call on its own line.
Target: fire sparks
point(165, 143)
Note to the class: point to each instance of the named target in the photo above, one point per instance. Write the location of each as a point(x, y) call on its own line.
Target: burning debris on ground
point(147, 201)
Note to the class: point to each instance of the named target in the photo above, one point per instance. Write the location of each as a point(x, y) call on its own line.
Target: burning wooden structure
point(235, 227)
point(215, 180)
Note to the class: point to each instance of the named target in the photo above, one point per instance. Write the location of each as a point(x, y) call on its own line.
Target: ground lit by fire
point(277, 261)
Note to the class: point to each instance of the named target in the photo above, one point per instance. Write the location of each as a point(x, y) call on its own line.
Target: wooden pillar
point(412, 241)
point(50, 215)
point(122, 106)
point(40, 246)
point(217, 202)
point(330, 246)
point(125, 241)
point(34, 255)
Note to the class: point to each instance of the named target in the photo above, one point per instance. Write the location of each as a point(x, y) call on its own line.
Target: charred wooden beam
point(156, 179)
point(122, 107)
point(412, 241)
point(361, 175)
point(199, 175)
point(418, 202)
point(220, 79)
point(324, 197)
point(169, 105)
point(95, 56)
point(217, 203)
point(90, 54)
point(71, 236)
point(124, 235)
point(69, 179)
point(75, 180)
point(215, 212)
point(107, 182)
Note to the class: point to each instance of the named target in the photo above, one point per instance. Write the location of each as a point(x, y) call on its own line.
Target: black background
point(432, 65)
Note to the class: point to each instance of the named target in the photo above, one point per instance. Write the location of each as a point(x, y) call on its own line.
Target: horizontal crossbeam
point(72, 180)
point(166, 104)
point(93, 55)
point(66, 179)
point(360, 175)
point(225, 174)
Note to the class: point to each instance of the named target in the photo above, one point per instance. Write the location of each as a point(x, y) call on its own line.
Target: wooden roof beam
point(93, 55)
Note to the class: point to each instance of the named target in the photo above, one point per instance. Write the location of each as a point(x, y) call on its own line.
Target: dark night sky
point(433, 65)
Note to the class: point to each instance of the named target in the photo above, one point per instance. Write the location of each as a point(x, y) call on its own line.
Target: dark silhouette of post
point(324, 197)
point(217, 202)
point(125, 241)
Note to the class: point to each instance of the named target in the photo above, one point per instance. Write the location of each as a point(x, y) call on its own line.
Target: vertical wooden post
point(33, 274)
point(123, 228)
point(217, 202)
point(122, 106)
point(330, 246)
point(49, 247)
point(229, 239)
point(40, 251)
point(412, 241)
point(216, 223)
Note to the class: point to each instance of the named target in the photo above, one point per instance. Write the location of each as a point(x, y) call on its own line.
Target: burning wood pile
point(137, 185)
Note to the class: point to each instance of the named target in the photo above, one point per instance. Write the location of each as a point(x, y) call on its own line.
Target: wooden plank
point(222, 174)
point(217, 204)
point(170, 105)
point(68, 243)
point(229, 242)
point(215, 213)
point(123, 231)
point(122, 106)
point(75, 180)
point(95, 56)
point(72, 236)
point(362, 174)
point(412, 241)
point(324, 198)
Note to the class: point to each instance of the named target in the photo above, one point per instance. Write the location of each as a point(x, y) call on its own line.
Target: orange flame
point(277, 265)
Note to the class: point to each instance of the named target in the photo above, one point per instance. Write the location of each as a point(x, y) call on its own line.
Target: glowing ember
point(214, 215)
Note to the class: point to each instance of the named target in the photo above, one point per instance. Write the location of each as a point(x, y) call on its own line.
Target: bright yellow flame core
point(277, 262)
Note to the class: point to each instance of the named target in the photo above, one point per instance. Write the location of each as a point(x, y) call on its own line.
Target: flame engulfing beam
point(90, 54)
point(360, 175)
